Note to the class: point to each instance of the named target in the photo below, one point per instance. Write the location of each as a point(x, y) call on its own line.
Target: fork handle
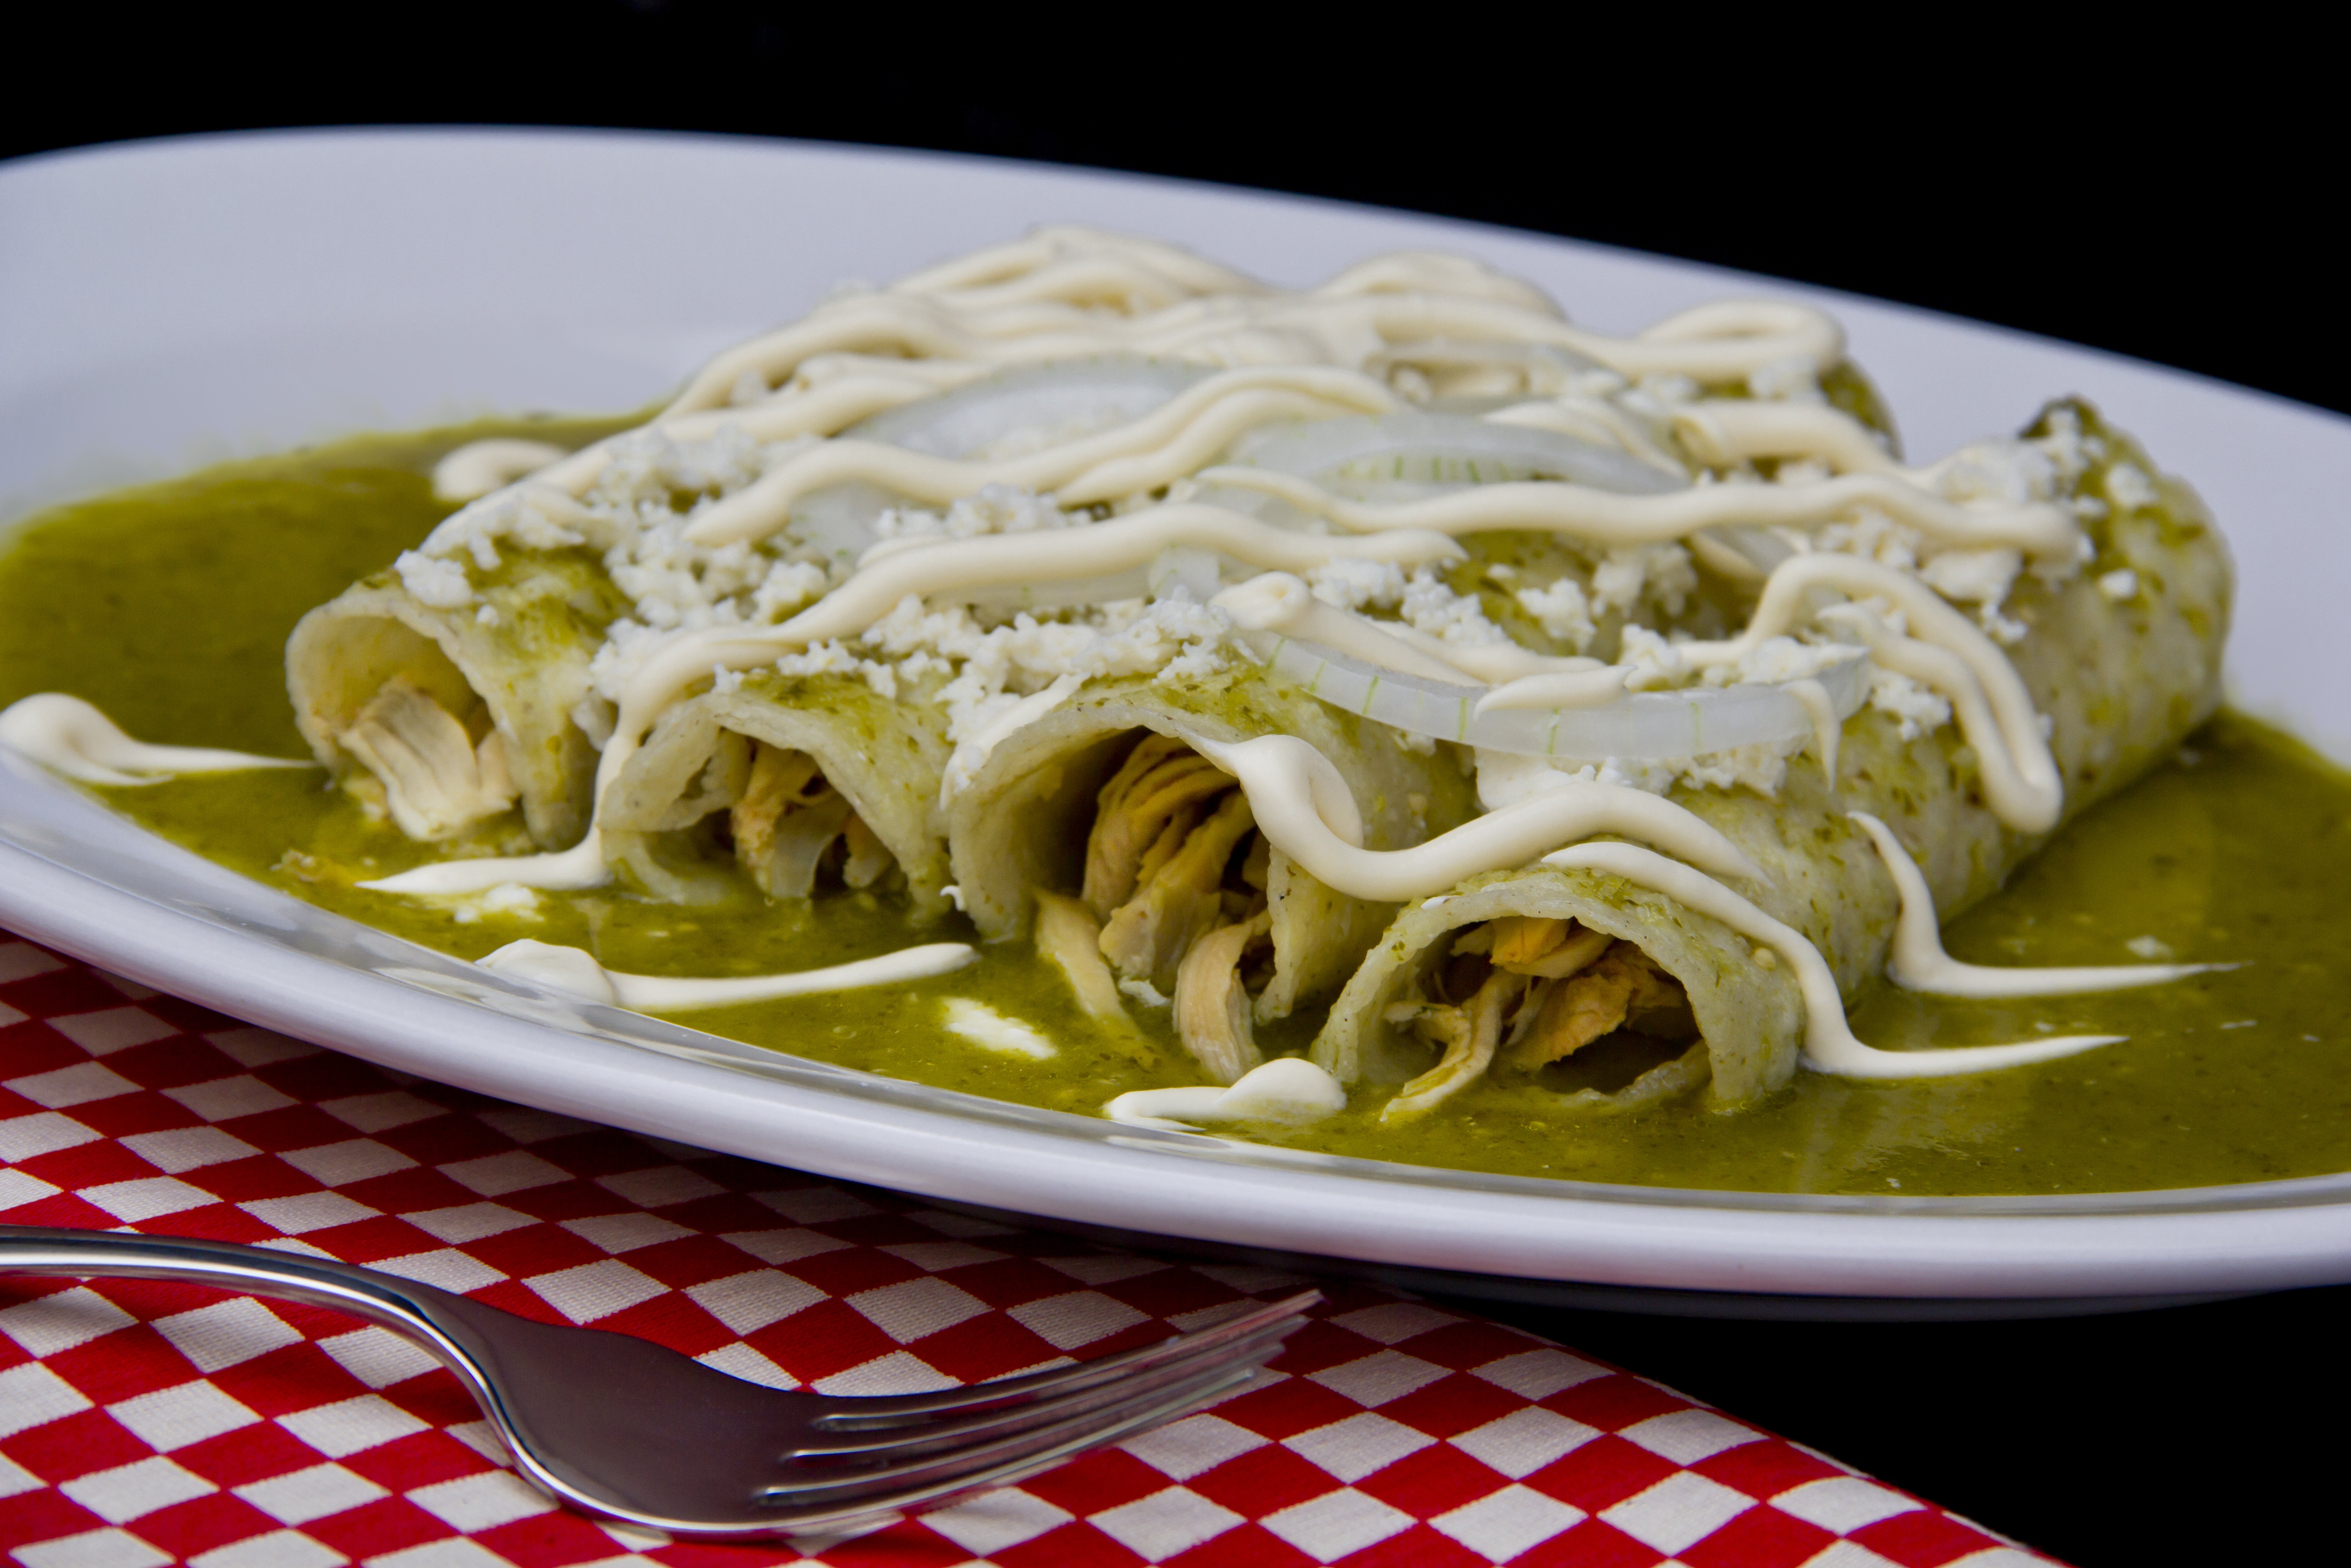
point(432, 1318)
point(399, 1304)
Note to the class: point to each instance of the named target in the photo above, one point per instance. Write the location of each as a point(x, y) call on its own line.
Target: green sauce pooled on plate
point(169, 607)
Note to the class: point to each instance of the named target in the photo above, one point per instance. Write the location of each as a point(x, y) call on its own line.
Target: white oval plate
point(173, 303)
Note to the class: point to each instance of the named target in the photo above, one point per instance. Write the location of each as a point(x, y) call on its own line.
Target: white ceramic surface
point(168, 304)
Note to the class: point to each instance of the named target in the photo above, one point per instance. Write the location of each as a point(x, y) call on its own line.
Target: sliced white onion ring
point(1425, 449)
point(1643, 726)
point(1102, 391)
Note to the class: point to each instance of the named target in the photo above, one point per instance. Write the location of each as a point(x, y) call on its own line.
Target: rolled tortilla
point(448, 717)
point(1028, 820)
point(2122, 658)
point(817, 781)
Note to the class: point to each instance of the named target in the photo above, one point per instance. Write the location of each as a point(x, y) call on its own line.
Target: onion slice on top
point(1646, 726)
point(1367, 456)
point(1020, 410)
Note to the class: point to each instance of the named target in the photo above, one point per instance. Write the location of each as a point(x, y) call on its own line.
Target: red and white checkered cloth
point(144, 1423)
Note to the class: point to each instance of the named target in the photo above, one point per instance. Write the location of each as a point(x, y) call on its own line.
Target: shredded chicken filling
point(789, 824)
point(439, 775)
point(1174, 888)
point(1070, 937)
point(1212, 999)
point(1524, 991)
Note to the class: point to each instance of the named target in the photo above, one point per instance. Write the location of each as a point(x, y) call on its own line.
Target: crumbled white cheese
point(2007, 472)
point(1776, 659)
point(992, 668)
point(1972, 576)
point(631, 513)
point(628, 646)
point(521, 515)
point(2129, 489)
point(833, 658)
point(1430, 606)
point(1563, 612)
point(1916, 709)
point(650, 468)
point(2119, 585)
point(2074, 451)
point(1653, 777)
point(789, 585)
point(1352, 582)
point(672, 583)
point(1762, 767)
point(993, 509)
point(1792, 379)
point(1981, 578)
point(1869, 534)
point(1655, 663)
point(435, 583)
point(1503, 779)
point(1632, 575)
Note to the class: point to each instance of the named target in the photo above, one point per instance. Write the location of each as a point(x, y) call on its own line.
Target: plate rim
point(2254, 1235)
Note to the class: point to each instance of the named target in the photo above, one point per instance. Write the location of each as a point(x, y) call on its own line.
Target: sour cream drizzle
point(1076, 554)
point(1945, 651)
point(1830, 1044)
point(1305, 809)
point(1289, 1090)
point(1424, 299)
point(1060, 294)
point(1163, 445)
point(1144, 267)
point(479, 467)
point(1279, 601)
point(574, 971)
point(1608, 517)
point(68, 736)
point(1723, 432)
point(1919, 964)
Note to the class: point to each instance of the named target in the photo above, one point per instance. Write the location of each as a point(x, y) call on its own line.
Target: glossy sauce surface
point(168, 607)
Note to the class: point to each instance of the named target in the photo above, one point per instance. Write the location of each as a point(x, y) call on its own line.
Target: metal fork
point(628, 1430)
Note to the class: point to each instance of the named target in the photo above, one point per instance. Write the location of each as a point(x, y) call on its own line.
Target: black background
point(2176, 203)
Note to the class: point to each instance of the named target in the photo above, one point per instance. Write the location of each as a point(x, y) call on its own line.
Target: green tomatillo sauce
point(169, 608)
